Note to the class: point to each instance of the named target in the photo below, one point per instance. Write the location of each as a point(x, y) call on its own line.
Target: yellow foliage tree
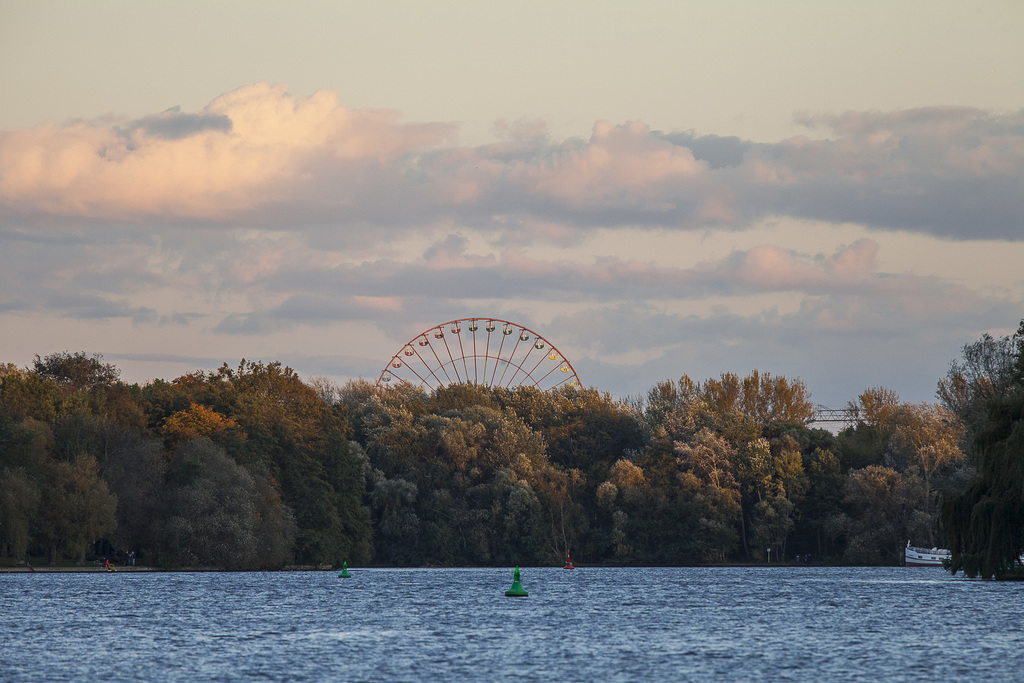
point(758, 396)
point(200, 422)
point(929, 436)
point(876, 407)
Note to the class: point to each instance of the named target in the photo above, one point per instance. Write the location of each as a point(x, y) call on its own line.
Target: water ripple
point(599, 624)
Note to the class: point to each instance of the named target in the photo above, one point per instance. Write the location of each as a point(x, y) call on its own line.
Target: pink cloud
point(387, 304)
point(258, 156)
point(857, 260)
point(94, 169)
point(775, 268)
point(619, 165)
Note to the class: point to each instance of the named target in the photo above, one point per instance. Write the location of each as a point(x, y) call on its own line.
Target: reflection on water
point(455, 624)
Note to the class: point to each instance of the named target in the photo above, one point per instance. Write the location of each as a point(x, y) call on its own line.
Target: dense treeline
point(252, 467)
point(985, 522)
point(234, 468)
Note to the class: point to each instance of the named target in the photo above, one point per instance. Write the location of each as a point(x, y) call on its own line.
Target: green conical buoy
point(517, 590)
point(344, 571)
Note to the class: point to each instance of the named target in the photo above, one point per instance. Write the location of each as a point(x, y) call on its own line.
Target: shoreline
point(312, 568)
point(77, 570)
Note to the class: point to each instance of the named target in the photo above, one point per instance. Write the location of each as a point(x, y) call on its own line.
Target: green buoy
point(517, 590)
point(344, 571)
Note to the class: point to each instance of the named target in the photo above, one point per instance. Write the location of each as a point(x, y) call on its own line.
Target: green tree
point(29, 394)
point(135, 472)
point(982, 374)
point(395, 517)
point(984, 525)
point(885, 509)
point(77, 508)
point(821, 509)
point(219, 515)
point(76, 371)
point(19, 505)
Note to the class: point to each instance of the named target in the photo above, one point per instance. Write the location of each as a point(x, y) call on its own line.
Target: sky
point(829, 191)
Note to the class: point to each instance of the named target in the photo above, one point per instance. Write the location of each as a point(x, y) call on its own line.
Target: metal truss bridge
point(846, 417)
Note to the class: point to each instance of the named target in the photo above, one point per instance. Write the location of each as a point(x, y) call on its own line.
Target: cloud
point(717, 151)
point(950, 172)
point(254, 146)
point(620, 165)
point(844, 288)
point(94, 307)
point(263, 157)
point(174, 125)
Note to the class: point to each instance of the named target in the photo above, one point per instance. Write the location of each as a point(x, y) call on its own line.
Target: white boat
point(924, 557)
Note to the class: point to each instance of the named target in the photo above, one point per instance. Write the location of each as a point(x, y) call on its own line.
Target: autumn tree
point(926, 436)
point(667, 397)
point(282, 431)
point(760, 397)
point(708, 494)
point(920, 445)
point(623, 495)
point(876, 407)
point(200, 422)
point(771, 482)
point(866, 441)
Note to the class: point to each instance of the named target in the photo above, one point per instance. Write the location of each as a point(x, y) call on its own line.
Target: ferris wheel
point(485, 351)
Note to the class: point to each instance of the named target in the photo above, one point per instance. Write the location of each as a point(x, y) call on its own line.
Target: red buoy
point(568, 562)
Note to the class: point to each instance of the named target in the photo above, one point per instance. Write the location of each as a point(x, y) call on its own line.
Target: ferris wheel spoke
point(455, 367)
point(519, 368)
point(462, 352)
point(530, 373)
point(511, 357)
point(567, 379)
point(524, 337)
point(418, 376)
point(429, 369)
point(498, 359)
point(487, 347)
point(450, 365)
point(440, 364)
point(549, 372)
point(473, 329)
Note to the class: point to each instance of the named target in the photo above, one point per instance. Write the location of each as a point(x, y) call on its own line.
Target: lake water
point(590, 624)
